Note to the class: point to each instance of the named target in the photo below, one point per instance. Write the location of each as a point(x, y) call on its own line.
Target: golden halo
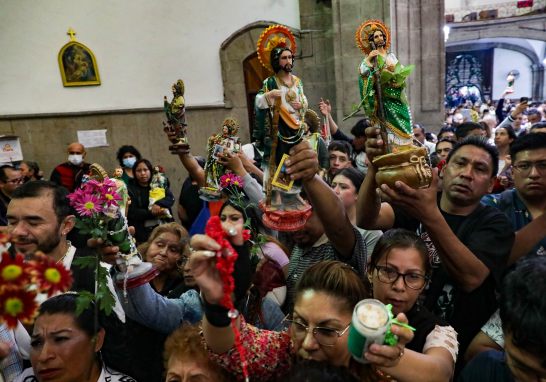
point(97, 172)
point(366, 28)
point(283, 37)
point(232, 122)
point(313, 117)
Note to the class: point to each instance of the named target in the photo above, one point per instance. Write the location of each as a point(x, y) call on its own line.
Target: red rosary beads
point(225, 266)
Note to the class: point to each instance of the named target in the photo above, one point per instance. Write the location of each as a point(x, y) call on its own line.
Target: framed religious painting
point(78, 64)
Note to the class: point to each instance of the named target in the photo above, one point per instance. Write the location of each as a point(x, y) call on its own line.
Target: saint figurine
point(122, 190)
point(280, 108)
point(511, 81)
point(176, 117)
point(382, 82)
point(316, 141)
point(218, 145)
point(157, 190)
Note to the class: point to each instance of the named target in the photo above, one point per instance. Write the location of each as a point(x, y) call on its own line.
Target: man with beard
point(469, 243)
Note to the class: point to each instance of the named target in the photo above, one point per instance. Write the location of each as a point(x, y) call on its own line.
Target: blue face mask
point(129, 162)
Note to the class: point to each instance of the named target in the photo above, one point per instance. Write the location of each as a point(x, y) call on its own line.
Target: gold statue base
point(409, 167)
point(180, 146)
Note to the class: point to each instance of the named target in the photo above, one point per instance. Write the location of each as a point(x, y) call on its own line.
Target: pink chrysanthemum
point(77, 196)
point(225, 180)
point(111, 198)
point(88, 205)
point(237, 181)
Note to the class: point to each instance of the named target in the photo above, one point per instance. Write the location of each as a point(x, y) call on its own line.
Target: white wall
point(503, 62)
point(142, 47)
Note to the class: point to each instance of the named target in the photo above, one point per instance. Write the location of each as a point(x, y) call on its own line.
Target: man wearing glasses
point(526, 203)
point(10, 179)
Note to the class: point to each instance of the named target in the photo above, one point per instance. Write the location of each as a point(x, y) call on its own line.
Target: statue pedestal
point(408, 166)
point(181, 147)
point(210, 194)
point(134, 275)
point(286, 219)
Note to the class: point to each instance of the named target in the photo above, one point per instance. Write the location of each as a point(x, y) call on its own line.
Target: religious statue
point(383, 96)
point(316, 141)
point(218, 145)
point(121, 188)
point(511, 81)
point(176, 117)
point(279, 125)
point(157, 189)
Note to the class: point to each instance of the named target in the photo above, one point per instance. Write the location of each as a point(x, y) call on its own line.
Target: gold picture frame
point(78, 64)
point(279, 179)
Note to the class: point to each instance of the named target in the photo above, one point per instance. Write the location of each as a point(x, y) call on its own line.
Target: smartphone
point(524, 99)
point(466, 115)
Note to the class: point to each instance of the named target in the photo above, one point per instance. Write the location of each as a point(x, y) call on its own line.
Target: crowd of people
point(462, 261)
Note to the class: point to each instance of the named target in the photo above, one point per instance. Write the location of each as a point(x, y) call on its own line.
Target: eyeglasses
point(525, 167)
point(390, 276)
point(324, 336)
point(15, 181)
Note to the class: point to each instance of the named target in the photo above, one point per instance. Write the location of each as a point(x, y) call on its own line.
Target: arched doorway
point(255, 74)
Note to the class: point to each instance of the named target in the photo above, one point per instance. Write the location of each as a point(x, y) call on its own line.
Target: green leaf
point(83, 301)
point(107, 302)
point(386, 77)
point(248, 222)
point(407, 70)
point(400, 79)
point(251, 205)
point(397, 68)
point(85, 262)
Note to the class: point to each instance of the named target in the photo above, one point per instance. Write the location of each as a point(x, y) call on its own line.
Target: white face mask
point(75, 159)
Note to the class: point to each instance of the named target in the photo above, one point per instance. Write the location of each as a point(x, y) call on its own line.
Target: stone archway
point(233, 51)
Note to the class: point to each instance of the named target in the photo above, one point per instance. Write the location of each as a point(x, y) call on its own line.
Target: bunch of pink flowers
point(95, 197)
point(231, 180)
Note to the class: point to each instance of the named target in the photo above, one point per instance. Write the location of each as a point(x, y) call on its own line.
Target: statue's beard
point(380, 43)
point(287, 68)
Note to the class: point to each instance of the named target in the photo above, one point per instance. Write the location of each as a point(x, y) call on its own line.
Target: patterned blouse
point(269, 355)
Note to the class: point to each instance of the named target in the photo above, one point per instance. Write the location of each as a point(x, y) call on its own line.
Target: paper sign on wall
point(92, 138)
point(10, 149)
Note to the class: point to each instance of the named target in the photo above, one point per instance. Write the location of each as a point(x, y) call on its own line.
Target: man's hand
point(108, 254)
point(274, 94)
point(169, 130)
point(503, 181)
point(325, 107)
point(157, 210)
point(421, 203)
point(372, 54)
point(303, 162)
point(233, 162)
point(506, 92)
point(519, 109)
point(374, 143)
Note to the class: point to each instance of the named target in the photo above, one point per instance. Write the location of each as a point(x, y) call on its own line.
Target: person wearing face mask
point(69, 174)
point(127, 157)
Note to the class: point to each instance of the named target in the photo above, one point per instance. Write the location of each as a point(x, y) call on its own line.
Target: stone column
point(538, 82)
point(418, 39)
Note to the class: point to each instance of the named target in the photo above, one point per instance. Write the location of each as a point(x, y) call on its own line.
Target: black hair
point(510, 130)
point(342, 146)
point(534, 141)
point(533, 112)
point(33, 166)
point(446, 129)
point(3, 175)
point(434, 159)
point(67, 304)
point(418, 125)
point(399, 238)
point(311, 371)
point(355, 176)
point(522, 304)
point(483, 143)
point(275, 56)
point(148, 164)
point(466, 127)
point(453, 143)
point(429, 137)
point(250, 212)
point(61, 203)
point(127, 149)
point(359, 130)
point(538, 125)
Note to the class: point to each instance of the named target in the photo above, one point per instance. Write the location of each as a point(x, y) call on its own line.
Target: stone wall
point(45, 139)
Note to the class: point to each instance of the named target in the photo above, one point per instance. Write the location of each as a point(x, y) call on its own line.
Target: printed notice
point(92, 138)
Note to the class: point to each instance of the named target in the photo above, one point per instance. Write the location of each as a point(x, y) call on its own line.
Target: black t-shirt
point(189, 199)
point(488, 234)
point(488, 366)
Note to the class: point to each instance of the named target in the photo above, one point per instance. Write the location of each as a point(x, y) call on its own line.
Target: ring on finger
point(399, 355)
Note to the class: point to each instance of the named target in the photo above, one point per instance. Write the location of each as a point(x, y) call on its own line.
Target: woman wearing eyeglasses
point(325, 297)
point(398, 271)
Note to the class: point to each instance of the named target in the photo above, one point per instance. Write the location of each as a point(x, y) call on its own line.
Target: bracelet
point(217, 315)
